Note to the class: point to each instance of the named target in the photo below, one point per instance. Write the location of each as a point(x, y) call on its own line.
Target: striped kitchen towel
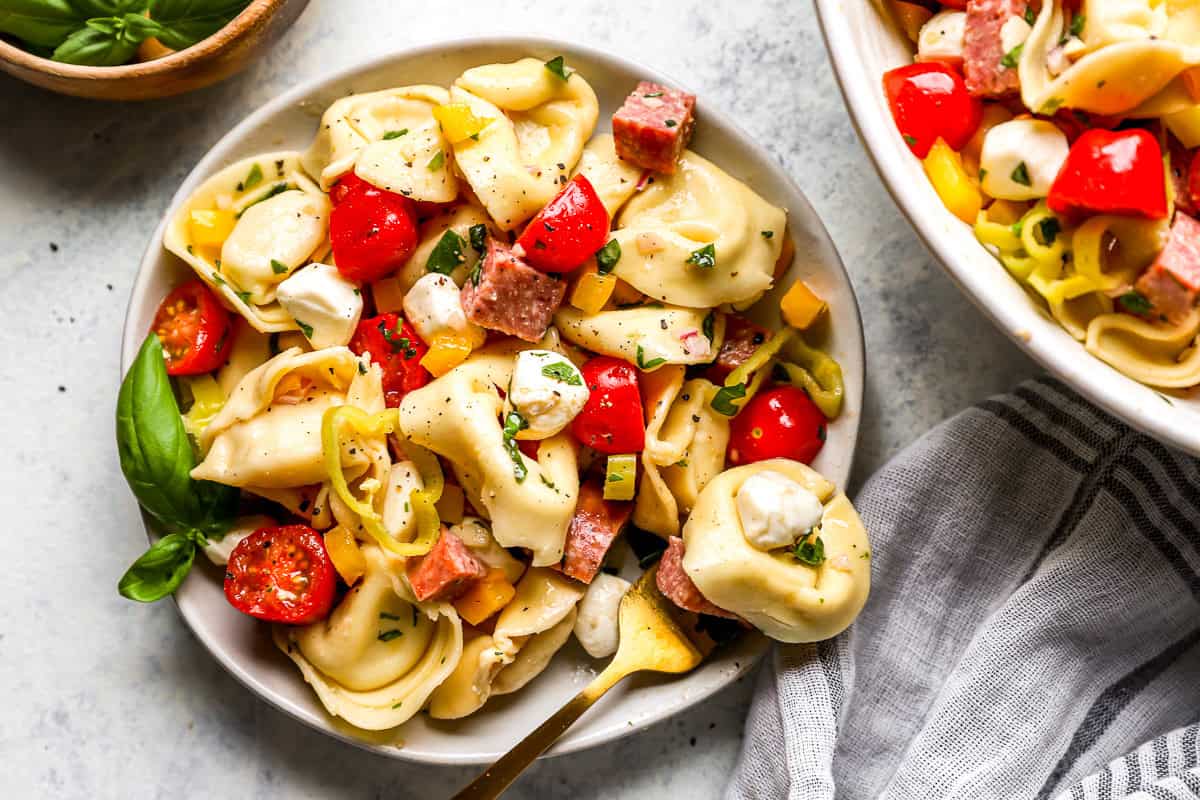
point(1033, 629)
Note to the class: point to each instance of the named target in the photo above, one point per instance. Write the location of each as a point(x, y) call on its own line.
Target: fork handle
point(505, 770)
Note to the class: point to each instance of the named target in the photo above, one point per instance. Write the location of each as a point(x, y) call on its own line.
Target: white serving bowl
point(862, 45)
point(244, 647)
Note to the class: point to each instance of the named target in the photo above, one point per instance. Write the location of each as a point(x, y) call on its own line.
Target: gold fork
point(654, 637)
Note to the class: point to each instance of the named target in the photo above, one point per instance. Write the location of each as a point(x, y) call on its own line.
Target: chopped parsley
point(278, 188)
point(706, 327)
point(217, 279)
point(1136, 303)
point(397, 342)
point(1012, 57)
point(394, 134)
point(811, 552)
point(514, 423)
point(254, 178)
point(478, 236)
point(608, 256)
point(705, 257)
point(1020, 174)
point(767, 234)
point(386, 615)
point(643, 363)
point(387, 636)
point(447, 254)
point(278, 267)
point(558, 68)
point(722, 401)
point(306, 329)
point(1017, 227)
point(362, 368)
point(1030, 18)
point(562, 371)
point(614, 477)
point(1077, 23)
point(1052, 105)
point(245, 297)
point(912, 140)
point(670, 123)
point(437, 162)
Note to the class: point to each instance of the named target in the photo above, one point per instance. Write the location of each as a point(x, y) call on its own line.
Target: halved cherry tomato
point(373, 232)
point(281, 574)
point(569, 230)
point(778, 423)
point(612, 421)
point(1111, 172)
point(347, 185)
point(397, 349)
point(930, 100)
point(194, 329)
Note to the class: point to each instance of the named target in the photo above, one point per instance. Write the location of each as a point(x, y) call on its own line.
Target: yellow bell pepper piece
point(207, 400)
point(210, 227)
point(1006, 212)
point(450, 506)
point(1185, 125)
point(446, 351)
point(801, 306)
point(487, 596)
point(592, 291)
point(459, 122)
point(958, 192)
point(620, 477)
point(345, 554)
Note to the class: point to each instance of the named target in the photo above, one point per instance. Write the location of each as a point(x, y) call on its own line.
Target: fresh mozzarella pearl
point(1013, 33)
point(318, 297)
point(547, 390)
point(218, 550)
point(775, 510)
point(596, 625)
point(1037, 144)
point(432, 305)
point(941, 38)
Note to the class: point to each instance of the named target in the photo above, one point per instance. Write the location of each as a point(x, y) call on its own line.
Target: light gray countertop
point(101, 697)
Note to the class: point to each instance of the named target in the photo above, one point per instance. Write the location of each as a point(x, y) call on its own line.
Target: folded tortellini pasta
point(784, 598)
point(663, 227)
point(1132, 55)
point(247, 228)
point(268, 434)
point(649, 336)
point(528, 502)
point(538, 125)
point(614, 179)
point(1165, 356)
point(380, 655)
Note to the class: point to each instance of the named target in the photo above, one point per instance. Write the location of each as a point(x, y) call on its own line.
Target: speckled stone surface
point(104, 698)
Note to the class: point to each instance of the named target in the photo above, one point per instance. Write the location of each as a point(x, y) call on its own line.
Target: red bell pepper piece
point(929, 100)
point(1111, 172)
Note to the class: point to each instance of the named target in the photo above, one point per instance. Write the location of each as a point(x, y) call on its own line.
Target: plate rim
point(216, 156)
point(1138, 405)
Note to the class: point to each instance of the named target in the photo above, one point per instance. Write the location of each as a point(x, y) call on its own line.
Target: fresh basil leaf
point(95, 48)
point(156, 454)
point(446, 255)
point(253, 178)
point(1136, 303)
point(186, 22)
point(558, 68)
point(514, 423)
point(478, 236)
point(389, 135)
point(811, 553)
point(722, 401)
point(159, 570)
point(41, 23)
point(139, 28)
point(1012, 57)
point(278, 267)
point(1077, 23)
point(306, 329)
point(562, 371)
point(707, 326)
point(643, 363)
point(608, 256)
point(705, 257)
point(109, 8)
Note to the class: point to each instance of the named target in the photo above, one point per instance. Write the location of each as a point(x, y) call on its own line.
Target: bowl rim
point(1139, 405)
point(209, 47)
point(755, 645)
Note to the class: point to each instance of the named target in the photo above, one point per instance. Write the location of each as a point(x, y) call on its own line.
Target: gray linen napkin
point(1033, 629)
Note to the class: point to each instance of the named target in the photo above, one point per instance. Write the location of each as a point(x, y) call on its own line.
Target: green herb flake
point(394, 134)
point(706, 327)
point(278, 267)
point(217, 279)
point(244, 296)
point(810, 552)
point(254, 178)
point(1017, 227)
point(614, 477)
point(447, 254)
point(643, 364)
point(514, 423)
point(437, 162)
point(670, 123)
point(1048, 230)
point(767, 234)
point(1030, 17)
point(705, 257)
point(1052, 105)
point(362, 368)
point(558, 68)
point(653, 94)
point(1012, 57)
point(477, 234)
point(1077, 23)
point(722, 401)
point(608, 256)
point(1020, 174)
point(911, 140)
point(278, 188)
point(387, 636)
point(564, 372)
point(306, 329)
point(386, 615)
point(1136, 303)
point(982, 174)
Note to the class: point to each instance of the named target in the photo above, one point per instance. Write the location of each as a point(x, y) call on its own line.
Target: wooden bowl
point(226, 52)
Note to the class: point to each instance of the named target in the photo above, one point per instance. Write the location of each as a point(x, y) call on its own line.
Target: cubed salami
point(509, 296)
point(596, 524)
point(654, 126)
point(446, 571)
point(984, 67)
point(1172, 282)
point(676, 586)
point(742, 338)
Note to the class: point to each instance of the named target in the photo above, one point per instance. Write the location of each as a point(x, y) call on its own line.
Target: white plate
point(862, 46)
point(244, 648)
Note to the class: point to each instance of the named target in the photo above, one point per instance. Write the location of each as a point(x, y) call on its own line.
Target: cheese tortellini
point(361, 671)
point(784, 598)
point(538, 126)
point(646, 336)
point(663, 228)
point(614, 179)
point(247, 228)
